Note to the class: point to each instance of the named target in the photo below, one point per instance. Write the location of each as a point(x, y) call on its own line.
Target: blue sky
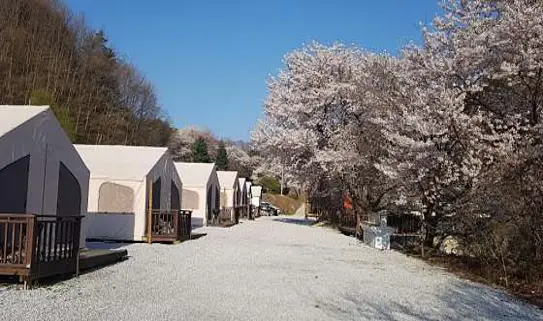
point(209, 60)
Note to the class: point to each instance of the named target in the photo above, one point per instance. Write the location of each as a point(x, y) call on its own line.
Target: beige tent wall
point(230, 196)
point(43, 138)
point(119, 226)
point(229, 202)
point(229, 193)
point(199, 212)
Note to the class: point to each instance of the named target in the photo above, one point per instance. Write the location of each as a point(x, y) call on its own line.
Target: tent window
point(157, 185)
point(191, 200)
point(69, 193)
point(175, 201)
point(14, 186)
point(115, 198)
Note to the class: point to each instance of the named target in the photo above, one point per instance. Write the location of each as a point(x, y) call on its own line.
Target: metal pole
point(150, 213)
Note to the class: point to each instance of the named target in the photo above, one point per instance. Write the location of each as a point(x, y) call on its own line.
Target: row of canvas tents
point(80, 192)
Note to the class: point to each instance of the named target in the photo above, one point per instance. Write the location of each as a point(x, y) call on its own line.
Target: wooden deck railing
point(243, 211)
point(226, 216)
point(170, 226)
point(57, 245)
point(185, 224)
point(16, 231)
point(38, 246)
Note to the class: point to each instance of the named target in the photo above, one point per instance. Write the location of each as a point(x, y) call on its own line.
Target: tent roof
point(120, 162)
point(12, 117)
point(227, 179)
point(194, 174)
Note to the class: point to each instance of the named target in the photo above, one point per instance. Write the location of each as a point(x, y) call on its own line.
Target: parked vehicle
point(265, 207)
point(269, 209)
point(275, 210)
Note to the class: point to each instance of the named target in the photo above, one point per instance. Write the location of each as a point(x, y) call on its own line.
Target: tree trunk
point(282, 177)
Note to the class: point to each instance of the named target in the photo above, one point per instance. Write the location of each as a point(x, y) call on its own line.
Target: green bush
point(271, 185)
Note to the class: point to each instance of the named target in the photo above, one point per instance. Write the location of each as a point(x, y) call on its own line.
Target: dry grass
point(462, 267)
point(287, 204)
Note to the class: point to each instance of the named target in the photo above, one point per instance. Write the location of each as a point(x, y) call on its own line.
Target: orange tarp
point(347, 202)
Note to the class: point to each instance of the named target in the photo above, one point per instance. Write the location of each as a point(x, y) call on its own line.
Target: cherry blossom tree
point(466, 101)
point(430, 130)
point(317, 126)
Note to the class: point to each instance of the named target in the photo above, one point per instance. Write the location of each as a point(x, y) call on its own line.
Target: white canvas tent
point(201, 192)
point(123, 179)
point(256, 195)
point(40, 171)
point(229, 185)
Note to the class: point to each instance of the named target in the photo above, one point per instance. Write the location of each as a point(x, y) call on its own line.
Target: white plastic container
point(378, 236)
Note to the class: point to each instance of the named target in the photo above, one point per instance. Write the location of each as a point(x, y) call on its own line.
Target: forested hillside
point(49, 56)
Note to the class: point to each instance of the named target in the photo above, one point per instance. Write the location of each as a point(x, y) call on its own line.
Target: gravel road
point(268, 269)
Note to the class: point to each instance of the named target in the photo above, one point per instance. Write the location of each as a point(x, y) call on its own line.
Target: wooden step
point(95, 258)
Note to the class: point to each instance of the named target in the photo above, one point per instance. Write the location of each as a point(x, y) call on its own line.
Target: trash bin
point(378, 236)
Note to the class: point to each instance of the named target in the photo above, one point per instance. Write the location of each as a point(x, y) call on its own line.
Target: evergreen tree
point(222, 157)
point(199, 151)
point(41, 97)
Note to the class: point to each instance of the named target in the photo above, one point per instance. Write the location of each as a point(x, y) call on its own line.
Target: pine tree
point(222, 157)
point(199, 151)
point(41, 97)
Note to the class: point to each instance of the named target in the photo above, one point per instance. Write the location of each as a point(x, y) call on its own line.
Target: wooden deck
point(34, 247)
point(95, 258)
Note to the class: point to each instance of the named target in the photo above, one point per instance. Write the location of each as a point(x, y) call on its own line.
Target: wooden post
point(76, 241)
point(150, 213)
point(30, 247)
point(176, 230)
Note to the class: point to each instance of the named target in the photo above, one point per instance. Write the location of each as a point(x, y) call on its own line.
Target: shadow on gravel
point(459, 301)
point(106, 245)
point(195, 236)
point(295, 220)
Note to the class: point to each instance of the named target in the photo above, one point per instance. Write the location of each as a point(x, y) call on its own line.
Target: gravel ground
point(268, 269)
